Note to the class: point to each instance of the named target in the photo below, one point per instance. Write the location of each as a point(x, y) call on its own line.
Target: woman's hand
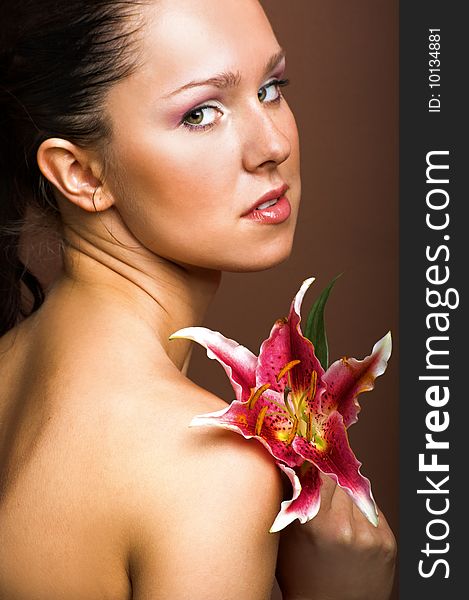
point(338, 555)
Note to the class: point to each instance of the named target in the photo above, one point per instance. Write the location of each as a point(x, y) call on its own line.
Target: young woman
point(151, 132)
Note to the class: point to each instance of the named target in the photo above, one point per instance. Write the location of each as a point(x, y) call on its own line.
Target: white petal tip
point(298, 299)
point(196, 421)
point(305, 286)
point(373, 519)
point(209, 418)
point(282, 520)
point(369, 511)
point(386, 344)
point(185, 333)
point(179, 334)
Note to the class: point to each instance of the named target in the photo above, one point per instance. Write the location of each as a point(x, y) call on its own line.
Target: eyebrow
point(228, 79)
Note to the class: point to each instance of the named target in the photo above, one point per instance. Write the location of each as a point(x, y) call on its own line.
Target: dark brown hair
point(58, 58)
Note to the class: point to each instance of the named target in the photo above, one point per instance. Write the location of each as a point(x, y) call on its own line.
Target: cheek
point(177, 198)
point(179, 173)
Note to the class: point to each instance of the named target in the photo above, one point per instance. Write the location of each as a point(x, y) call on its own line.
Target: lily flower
point(296, 409)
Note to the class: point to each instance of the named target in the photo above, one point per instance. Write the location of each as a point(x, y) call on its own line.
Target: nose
point(266, 143)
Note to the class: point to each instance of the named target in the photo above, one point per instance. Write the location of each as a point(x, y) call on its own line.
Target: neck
point(147, 297)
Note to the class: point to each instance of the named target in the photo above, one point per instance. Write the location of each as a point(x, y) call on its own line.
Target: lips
point(267, 204)
point(272, 208)
point(267, 200)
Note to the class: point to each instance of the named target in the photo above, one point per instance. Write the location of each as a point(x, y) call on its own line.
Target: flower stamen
point(314, 381)
point(293, 431)
point(287, 368)
point(286, 400)
point(260, 419)
point(255, 395)
point(309, 427)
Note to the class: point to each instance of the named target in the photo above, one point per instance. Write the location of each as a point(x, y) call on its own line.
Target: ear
point(75, 172)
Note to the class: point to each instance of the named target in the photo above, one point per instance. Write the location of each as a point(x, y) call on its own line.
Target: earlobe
point(71, 170)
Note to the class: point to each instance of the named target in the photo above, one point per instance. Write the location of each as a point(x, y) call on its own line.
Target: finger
point(382, 519)
point(382, 535)
point(328, 488)
point(383, 524)
point(341, 501)
point(382, 527)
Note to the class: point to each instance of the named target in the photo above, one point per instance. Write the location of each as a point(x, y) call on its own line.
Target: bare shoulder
point(202, 502)
point(155, 424)
point(186, 509)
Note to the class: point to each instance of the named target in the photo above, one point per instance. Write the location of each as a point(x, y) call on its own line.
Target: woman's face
point(201, 133)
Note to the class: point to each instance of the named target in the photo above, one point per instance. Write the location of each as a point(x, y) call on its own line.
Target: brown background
point(343, 64)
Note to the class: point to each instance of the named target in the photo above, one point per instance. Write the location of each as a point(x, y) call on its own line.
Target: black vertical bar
point(434, 271)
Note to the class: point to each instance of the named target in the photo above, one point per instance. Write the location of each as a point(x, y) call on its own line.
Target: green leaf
point(315, 326)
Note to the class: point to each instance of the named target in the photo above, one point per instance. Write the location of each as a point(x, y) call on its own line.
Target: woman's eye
point(204, 117)
point(271, 92)
point(201, 117)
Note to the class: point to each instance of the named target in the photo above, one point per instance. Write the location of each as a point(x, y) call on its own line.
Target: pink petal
point(274, 354)
point(287, 343)
point(306, 496)
point(301, 347)
point(239, 362)
point(271, 433)
point(347, 378)
point(337, 460)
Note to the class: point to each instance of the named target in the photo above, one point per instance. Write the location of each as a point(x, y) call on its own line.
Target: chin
point(260, 261)
point(245, 253)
